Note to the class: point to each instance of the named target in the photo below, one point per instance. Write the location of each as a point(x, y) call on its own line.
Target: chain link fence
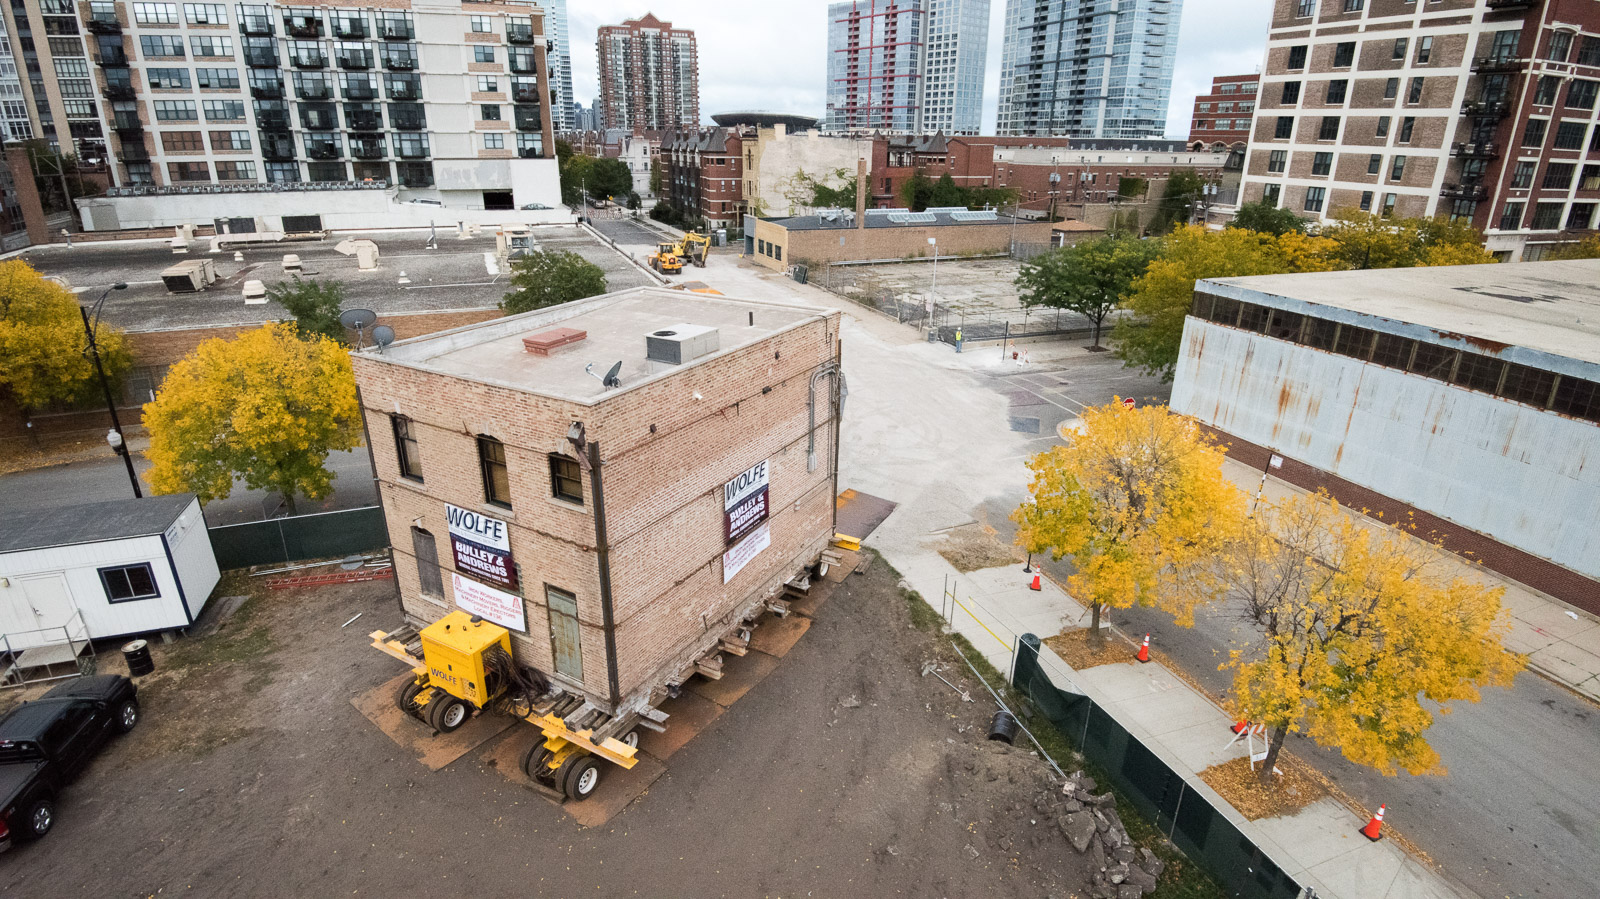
point(866, 286)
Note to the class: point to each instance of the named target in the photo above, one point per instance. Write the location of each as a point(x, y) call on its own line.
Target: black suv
point(45, 743)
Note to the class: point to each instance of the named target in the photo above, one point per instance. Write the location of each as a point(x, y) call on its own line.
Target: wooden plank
point(382, 643)
point(736, 645)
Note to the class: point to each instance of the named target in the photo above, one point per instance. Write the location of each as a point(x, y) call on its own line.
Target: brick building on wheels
point(623, 481)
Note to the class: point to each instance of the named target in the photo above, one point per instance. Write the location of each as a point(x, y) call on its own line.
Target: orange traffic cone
point(1374, 828)
point(1036, 585)
point(1241, 727)
point(1144, 650)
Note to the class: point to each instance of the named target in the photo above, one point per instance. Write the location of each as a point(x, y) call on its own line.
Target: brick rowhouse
point(619, 564)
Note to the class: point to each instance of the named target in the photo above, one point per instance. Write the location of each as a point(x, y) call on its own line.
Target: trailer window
point(129, 582)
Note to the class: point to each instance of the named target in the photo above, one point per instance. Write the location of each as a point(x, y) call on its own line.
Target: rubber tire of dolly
point(407, 700)
point(441, 709)
point(631, 738)
point(578, 774)
point(535, 762)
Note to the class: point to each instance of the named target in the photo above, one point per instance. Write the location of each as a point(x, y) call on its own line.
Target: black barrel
point(137, 655)
point(1003, 727)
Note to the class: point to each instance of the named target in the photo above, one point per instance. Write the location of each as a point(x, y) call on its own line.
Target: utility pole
point(115, 438)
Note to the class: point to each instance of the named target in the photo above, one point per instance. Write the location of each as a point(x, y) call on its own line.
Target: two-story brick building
point(622, 481)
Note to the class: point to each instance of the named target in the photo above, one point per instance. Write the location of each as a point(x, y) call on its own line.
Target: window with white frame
point(155, 13)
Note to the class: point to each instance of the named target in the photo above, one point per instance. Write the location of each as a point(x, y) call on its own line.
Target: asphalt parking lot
point(458, 274)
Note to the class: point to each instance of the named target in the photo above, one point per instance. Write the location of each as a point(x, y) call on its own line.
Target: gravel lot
point(843, 773)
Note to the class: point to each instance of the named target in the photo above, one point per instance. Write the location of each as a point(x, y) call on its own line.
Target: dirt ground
point(844, 773)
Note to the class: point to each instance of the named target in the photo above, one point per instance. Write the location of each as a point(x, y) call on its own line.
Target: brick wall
point(665, 457)
point(853, 244)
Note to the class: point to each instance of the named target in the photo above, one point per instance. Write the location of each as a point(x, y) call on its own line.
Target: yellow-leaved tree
point(267, 406)
point(42, 359)
point(1360, 624)
point(1137, 499)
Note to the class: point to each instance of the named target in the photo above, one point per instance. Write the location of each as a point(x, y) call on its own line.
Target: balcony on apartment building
point(1498, 62)
point(322, 149)
point(261, 57)
point(363, 120)
point(127, 122)
point(280, 150)
point(367, 148)
point(303, 26)
point(529, 118)
point(113, 58)
point(134, 152)
point(266, 90)
point(360, 90)
point(523, 63)
point(407, 117)
point(1485, 108)
point(117, 90)
point(1464, 190)
point(313, 90)
point(520, 34)
point(400, 62)
point(308, 59)
point(351, 28)
point(257, 26)
point(103, 23)
point(1476, 150)
point(355, 59)
point(404, 91)
point(272, 120)
point(396, 30)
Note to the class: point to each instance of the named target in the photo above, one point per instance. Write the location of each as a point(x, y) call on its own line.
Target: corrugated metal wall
point(1526, 477)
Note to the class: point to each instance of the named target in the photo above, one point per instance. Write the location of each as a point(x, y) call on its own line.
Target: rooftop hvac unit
point(680, 343)
point(189, 276)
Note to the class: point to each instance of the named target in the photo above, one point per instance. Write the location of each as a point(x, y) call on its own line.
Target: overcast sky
point(771, 55)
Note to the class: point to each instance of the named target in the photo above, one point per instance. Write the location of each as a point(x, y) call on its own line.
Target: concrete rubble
point(1089, 821)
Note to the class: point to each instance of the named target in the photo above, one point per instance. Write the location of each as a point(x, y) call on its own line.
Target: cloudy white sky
point(770, 54)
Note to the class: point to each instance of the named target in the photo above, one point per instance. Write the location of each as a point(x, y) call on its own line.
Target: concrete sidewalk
point(1319, 847)
point(1561, 642)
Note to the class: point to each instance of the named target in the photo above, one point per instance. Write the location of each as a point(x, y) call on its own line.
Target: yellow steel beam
point(611, 749)
point(382, 643)
point(845, 541)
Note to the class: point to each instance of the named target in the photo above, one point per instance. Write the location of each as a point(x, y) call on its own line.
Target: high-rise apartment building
point(649, 76)
point(1222, 116)
point(15, 121)
point(906, 66)
point(1088, 68)
point(1482, 110)
point(211, 93)
point(564, 110)
point(59, 96)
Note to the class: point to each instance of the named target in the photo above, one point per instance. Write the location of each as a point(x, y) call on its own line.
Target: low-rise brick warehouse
point(620, 528)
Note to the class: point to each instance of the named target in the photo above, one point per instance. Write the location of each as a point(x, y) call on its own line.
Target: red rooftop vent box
point(542, 343)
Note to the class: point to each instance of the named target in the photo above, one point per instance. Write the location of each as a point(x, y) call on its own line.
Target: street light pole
point(115, 438)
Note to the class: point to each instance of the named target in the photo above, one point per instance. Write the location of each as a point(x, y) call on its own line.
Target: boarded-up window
point(427, 553)
point(564, 634)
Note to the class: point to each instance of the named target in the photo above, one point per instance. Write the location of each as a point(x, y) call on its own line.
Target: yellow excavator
point(669, 256)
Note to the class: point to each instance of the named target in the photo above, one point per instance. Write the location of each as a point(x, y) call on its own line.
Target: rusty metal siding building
point(1470, 392)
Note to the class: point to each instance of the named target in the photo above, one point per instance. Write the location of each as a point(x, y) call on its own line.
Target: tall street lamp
point(118, 443)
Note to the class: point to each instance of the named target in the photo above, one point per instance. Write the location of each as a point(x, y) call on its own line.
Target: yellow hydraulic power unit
point(456, 675)
point(453, 648)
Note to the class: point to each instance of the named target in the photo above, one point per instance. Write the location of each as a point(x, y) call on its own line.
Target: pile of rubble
point(1090, 823)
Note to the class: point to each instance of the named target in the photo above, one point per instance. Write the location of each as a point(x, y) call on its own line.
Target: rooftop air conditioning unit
point(681, 343)
point(189, 276)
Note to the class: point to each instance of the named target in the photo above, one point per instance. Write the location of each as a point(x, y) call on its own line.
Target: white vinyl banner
point(742, 552)
point(504, 609)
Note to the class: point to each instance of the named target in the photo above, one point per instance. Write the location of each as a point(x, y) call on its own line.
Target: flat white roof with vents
point(615, 327)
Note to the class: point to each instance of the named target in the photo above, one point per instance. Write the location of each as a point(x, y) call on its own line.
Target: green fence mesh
point(284, 540)
point(1160, 794)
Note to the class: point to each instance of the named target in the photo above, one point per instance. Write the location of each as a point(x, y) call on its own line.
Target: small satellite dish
point(358, 320)
point(611, 378)
point(382, 335)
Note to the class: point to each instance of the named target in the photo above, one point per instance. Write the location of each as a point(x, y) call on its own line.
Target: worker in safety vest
point(958, 340)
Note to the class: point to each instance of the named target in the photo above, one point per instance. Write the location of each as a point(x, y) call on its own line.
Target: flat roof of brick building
point(614, 328)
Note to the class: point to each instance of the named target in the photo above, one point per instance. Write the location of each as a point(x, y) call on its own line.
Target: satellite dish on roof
point(358, 320)
point(611, 378)
point(382, 335)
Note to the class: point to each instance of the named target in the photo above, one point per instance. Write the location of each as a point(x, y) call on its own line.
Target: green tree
point(817, 194)
point(1370, 241)
point(550, 277)
point(946, 193)
point(1150, 338)
point(314, 304)
point(1360, 626)
point(610, 179)
point(919, 192)
point(1265, 218)
point(1138, 500)
point(267, 406)
point(655, 177)
point(43, 356)
point(1588, 248)
point(1184, 188)
point(1090, 277)
point(1129, 187)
